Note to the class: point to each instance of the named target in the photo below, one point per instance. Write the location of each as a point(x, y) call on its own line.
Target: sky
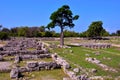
point(16, 13)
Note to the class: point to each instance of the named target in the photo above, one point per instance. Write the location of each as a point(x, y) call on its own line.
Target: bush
point(4, 35)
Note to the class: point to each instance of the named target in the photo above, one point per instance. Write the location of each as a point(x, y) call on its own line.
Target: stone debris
point(93, 45)
point(61, 61)
point(13, 53)
point(1, 58)
point(93, 70)
point(87, 55)
point(71, 51)
point(102, 78)
point(76, 70)
point(103, 66)
point(23, 46)
point(96, 78)
point(65, 78)
point(15, 73)
point(17, 59)
point(66, 66)
point(93, 60)
point(28, 56)
point(36, 66)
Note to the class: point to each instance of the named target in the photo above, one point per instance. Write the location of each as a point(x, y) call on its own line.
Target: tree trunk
point(61, 37)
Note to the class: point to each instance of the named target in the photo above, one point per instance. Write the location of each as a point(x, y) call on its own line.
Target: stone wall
point(66, 66)
point(103, 66)
point(93, 45)
point(16, 72)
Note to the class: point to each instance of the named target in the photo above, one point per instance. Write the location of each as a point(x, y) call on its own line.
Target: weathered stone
point(76, 70)
point(93, 45)
point(82, 77)
point(71, 51)
point(15, 73)
point(65, 78)
point(87, 55)
point(96, 78)
point(61, 61)
point(1, 58)
point(32, 64)
point(17, 59)
point(103, 66)
point(23, 69)
point(93, 70)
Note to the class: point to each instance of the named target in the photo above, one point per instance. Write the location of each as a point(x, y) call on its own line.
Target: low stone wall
point(33, 66)
point(21, 52)
point(66, 67)
point(93, 45)
point(103, 66)
point(19, 58)
point(35, 56)
point(61, 61)
point(97, 46)
point(42, 65)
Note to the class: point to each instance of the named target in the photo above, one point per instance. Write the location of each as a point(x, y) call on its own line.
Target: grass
point(78, 57)
point(5, 76)
point(56, 74)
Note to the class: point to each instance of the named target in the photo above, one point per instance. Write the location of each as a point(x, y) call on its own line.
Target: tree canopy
point(62, 17)
point(96, 29)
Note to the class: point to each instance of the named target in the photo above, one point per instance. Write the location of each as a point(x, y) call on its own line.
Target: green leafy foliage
point(96, 29)
point(62, 17)
point(3, 36)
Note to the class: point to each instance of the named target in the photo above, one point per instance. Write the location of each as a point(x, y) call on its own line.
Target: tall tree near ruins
point(63, 17)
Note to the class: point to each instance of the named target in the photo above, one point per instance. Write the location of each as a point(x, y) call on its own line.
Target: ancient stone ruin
point(22, 49)
point(93, 45)
point(98, 62)
point(66, 66)
point(25, 49)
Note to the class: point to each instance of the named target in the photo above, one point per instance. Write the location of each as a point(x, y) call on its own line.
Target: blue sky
point(15, 13)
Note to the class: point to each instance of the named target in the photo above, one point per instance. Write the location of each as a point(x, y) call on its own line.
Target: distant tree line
point(25, 31)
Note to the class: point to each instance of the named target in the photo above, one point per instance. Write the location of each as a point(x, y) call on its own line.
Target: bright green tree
point(63, 17)
point(96, 29)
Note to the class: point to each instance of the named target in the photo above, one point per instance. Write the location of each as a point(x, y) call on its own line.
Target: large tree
point(96, 29)
point(63, 17)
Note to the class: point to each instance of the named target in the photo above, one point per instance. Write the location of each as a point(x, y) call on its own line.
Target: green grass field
point(79, 54)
